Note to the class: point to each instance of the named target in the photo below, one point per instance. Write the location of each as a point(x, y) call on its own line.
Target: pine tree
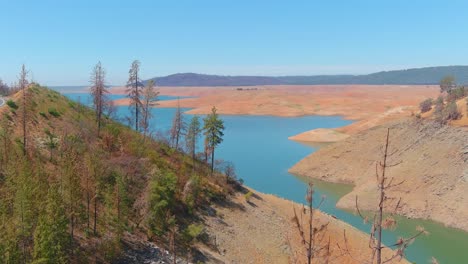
point(133, 91)
point(50, 236)
point(214, 127)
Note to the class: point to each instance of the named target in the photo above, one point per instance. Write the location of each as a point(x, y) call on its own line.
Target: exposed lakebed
point(260, 149)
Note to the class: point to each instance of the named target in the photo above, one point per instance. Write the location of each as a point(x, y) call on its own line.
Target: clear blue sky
point(60, 41)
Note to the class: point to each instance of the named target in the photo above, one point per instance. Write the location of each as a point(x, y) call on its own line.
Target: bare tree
point(4, 89)
point(98, 92)
point(312, 237)
point(133, 91)
point(178, 127)
point(389, 204)
point(193, 133)
point(23, 86)
point(150, 97)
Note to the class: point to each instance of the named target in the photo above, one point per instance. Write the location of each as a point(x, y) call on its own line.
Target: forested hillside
point(427, 75)
point(69, 195)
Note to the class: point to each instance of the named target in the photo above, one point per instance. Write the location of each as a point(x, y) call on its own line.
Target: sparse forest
point(75, 186)
point(445, 106)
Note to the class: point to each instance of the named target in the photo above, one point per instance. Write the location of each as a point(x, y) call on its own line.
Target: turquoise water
point(262, 154)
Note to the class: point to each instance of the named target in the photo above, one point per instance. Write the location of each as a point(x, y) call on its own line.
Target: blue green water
point(262, 154)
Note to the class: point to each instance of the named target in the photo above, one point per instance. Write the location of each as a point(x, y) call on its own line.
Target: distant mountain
point(428, 75)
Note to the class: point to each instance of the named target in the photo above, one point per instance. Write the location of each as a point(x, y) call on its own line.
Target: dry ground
point(262, 231)
point(434, 166)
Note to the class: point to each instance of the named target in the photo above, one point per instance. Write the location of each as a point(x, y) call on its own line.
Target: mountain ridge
point(421, 76)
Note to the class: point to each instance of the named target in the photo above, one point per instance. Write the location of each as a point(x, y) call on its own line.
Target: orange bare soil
point(369, 104)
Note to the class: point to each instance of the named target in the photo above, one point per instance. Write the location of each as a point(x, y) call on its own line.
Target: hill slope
point(422, 76)
point(76, 197)
point(434, 166)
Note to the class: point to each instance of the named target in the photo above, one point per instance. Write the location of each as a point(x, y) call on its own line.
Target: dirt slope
point(262, 231)
point(435, 168)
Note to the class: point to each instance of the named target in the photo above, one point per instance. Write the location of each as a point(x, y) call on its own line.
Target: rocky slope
point(434, 166)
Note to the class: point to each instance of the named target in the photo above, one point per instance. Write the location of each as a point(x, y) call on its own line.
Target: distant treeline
point(428, 75)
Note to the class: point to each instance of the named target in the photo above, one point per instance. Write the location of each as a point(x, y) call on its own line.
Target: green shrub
point(43, 114)
point(193, 232)
point(451, 112)
point(54, 112)
point(248, 195)
point(12, 104)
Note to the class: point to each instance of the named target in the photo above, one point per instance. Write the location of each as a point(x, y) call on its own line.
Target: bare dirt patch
point(262, 231)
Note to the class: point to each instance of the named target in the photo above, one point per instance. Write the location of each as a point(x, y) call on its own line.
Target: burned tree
point(312, 237)
point(193, 132)
point(98, 92)
point(386, 204)
point(23, 86)
point(150, 96)
point(178, 127)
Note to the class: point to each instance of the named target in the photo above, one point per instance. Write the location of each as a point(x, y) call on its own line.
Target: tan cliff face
point(434, 167)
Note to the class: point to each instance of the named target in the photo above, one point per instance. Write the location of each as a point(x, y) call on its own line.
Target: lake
point(262, 154)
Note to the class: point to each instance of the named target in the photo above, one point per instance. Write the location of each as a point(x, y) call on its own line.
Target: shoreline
point(253, 222)
point(426, 201)
point(366, 105)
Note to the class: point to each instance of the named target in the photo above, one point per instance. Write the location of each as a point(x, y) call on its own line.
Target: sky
point(60, 41)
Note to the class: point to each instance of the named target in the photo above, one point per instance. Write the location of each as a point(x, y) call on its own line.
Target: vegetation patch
point(12, 104)
point(54, 112)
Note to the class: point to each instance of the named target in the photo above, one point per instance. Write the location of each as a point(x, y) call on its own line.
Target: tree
point(178, 127)
point(98, 92)
point(384, 184)
point(311, 235)
point(133, 91)
point(451, 112)
point(439, 108)
point(23, 86)
point(162, 198)
point(230, 171)
point(447, 84)
point(150, 97)
point(4, 89)
point(50, 236)
point(214, 127)
point(193, 134)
